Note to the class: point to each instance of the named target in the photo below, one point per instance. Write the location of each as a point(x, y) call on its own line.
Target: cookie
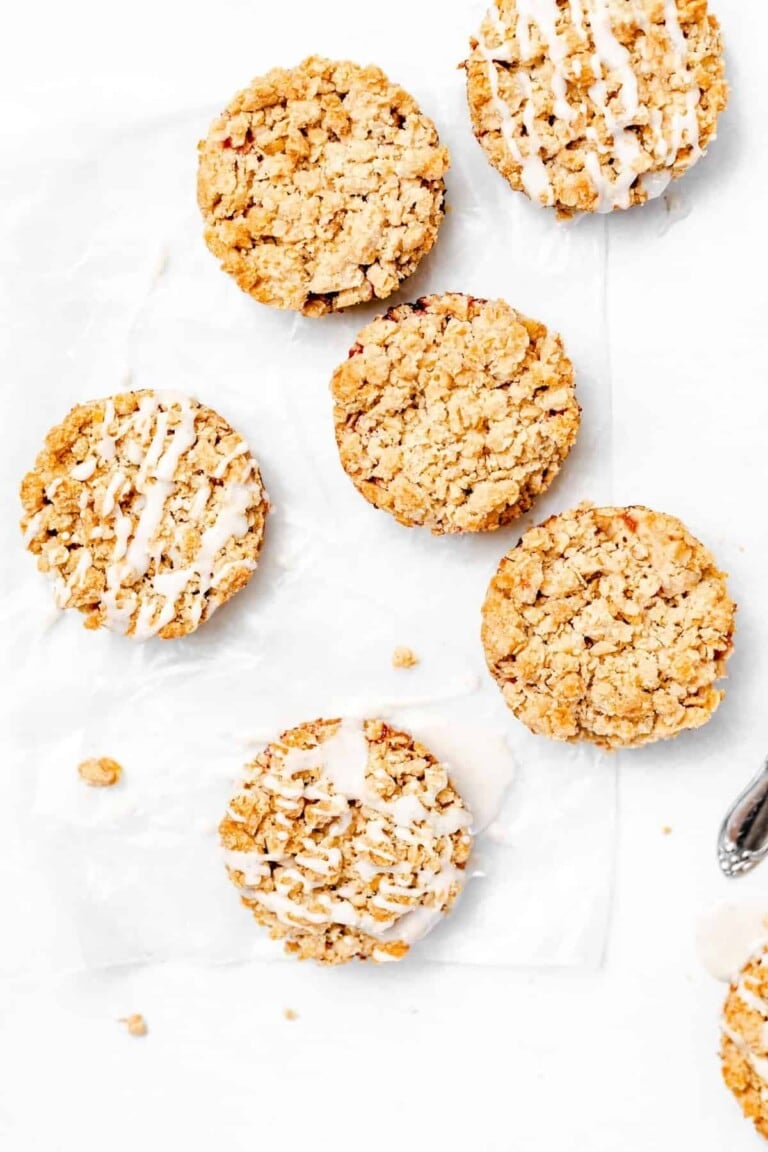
point(744, 1048)
point(594, 105)
point(347, 840)
point(454, 412)
point(147, 511)
point(611, 625)
point(322, 186)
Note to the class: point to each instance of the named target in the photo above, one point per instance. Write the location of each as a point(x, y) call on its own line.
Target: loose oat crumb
point(135, 1024)
point(404, 658)
point(666, 830)
point(101, 772)
point(290, 1014)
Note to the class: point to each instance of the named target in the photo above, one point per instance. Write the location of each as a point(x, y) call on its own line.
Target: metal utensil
point(743, 840)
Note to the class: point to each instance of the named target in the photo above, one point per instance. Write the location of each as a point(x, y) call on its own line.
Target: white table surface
point(420, 1056)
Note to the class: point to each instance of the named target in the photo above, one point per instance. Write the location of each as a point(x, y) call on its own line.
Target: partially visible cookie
point(321, 186)
point(611, 625)
point(594, 105)
point(454, 412)
point(347, 840)
point(744, 1048)
point(147, 511)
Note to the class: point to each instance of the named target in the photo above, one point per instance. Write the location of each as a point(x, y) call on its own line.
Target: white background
point(493, 1058)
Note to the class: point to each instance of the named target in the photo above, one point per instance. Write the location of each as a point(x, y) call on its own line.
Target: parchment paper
point(109, 286)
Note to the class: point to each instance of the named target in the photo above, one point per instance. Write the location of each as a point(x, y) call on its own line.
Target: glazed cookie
point(347, 839)
point(592, 105)
point(611, 625)
point(454, 412)
point(321, 186)
point(147, 511)
point(744, 1049)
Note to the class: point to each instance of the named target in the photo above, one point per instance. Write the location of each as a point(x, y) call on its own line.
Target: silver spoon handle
point(743, 840)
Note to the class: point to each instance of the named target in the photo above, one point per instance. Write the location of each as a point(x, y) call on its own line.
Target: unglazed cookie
point(744, 1049)
point(454, 412)
point(347, 839)
point(592, 105)
point(611, 625)
point(147, 511)
point(321, 186)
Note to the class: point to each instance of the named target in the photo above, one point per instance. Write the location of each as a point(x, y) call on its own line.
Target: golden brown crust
point(541, 115)
point(454, 412)
point(744, 1046)
point(336, 876)
point(322, 186)
point(146, 510)
point(611, 625)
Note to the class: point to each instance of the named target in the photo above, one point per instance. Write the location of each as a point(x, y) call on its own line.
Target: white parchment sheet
point(109, 287)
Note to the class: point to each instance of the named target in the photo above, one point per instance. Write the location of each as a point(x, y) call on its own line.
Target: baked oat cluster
point(100, 772)
point(744, 1049)
point(347, 840)
point(610, 625)
point(322, 186)
point(594, 105)
point(454, 412)
point(147, 511)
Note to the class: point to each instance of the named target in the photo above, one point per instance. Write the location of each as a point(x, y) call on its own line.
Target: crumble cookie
point(147, 511)
point(611, 625)
point(454, 412)
point(593, 105)
point(744, 1048)
point(347, 840)
point(322, 186)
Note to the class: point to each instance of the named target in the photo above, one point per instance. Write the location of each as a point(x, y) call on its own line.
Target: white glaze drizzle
point(105, 449)
point(343, 762)
point(533, 169)
point(33, 527)
point(85, 470)
point(544, 14)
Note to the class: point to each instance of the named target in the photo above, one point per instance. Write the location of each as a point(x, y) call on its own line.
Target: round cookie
point(610, 625)
point(147, 511)
point(454, 412)
point(594, 105)
point(347, 840)
point(744, 1048)
point(322, 186)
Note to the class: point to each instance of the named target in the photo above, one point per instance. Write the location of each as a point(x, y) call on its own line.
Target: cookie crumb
point(290, 1014)
point(100, 772)
point(404, 658)
point(666, 830)
point(135, 1024)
